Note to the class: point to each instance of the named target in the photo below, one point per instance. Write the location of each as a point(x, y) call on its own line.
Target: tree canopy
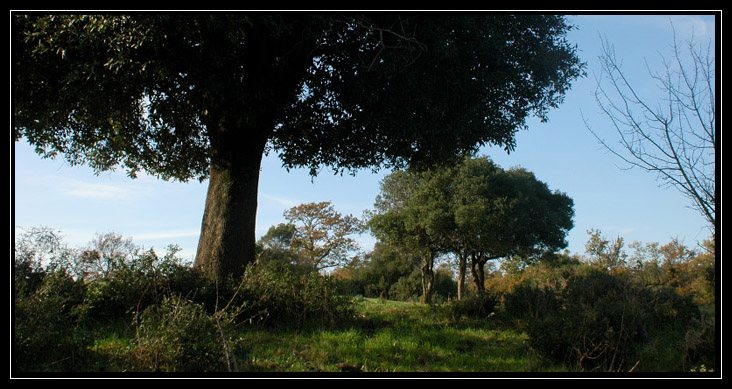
point(186, 96)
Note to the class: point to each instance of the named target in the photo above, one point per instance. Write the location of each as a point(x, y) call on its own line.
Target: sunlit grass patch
point(393, 337)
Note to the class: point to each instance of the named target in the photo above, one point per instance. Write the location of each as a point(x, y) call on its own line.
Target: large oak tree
point(186, 96)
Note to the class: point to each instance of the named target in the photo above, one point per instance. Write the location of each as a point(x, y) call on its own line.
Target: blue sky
point(562, 153)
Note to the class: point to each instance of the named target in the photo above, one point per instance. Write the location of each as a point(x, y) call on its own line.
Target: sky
point(561, 152)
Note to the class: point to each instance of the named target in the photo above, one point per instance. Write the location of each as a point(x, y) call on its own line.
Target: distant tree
point(322, 236)
point(186, 96)
point(690, 272)
point(433, 201)
point(474, 209)
point(506, 213)
point(279, 237)
point(380, 269)
point(40, 248)
point(674, 137)
point(106, 252)
point(276, 245)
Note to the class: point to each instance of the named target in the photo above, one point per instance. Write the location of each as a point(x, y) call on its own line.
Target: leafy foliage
point(46, 334)
point(501, 213)
point(147, 90)
point(399, 90)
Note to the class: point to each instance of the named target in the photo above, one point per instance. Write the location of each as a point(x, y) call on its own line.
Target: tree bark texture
point(227, 241)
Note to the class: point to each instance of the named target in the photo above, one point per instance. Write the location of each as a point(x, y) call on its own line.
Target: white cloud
point(702, 26)
point(167, 235)
point(94, 191)
point(278, 200)
point(626, 230)
point(696, 25)
point(124, 193)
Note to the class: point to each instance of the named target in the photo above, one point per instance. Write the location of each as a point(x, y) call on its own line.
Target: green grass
point(391, 336)
point(384, 337)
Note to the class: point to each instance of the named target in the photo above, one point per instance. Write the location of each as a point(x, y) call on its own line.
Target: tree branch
point(678, 145)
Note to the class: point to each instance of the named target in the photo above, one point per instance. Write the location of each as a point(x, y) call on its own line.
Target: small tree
point(322, 235)
point(106, 253)
point(606, 254)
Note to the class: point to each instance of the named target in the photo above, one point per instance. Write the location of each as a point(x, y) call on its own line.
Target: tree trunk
point(227, 241)
point(428, 278)
point(461, 274)
point(477, 266)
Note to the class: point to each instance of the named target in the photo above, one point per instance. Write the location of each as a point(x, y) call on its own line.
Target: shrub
point(599, 320)
point(600, 324)
point(46, 332)
point(479, 307)
point(178, 335)
point(277, 295)
point(143, 280)
point(407, 288)
point(527, 302)
point(376, 273)
point(700, 343)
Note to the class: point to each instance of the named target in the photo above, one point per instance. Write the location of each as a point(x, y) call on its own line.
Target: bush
point(473, 307)
point(377, 273)
point(700, 343)
point(47, 336)
point(180, 336)
point(528, 302)
point(599, 325)
point(407, 288)
point(143, 280)
point(277, 295)
point(603, 321)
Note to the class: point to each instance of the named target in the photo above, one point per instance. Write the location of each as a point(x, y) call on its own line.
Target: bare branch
point(677, 139)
